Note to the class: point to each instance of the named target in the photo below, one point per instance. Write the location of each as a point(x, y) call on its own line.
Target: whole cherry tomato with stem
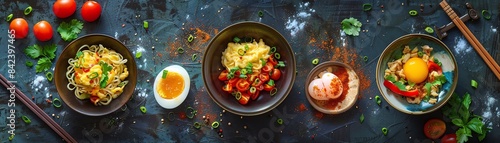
point(43, 31)
point(91, 11)
point(20, 28)
point(64, 8)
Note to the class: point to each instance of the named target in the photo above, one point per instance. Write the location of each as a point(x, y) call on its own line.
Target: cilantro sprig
point(45, 54)
point(457, 109)
point(351, 26)
point(69, 31)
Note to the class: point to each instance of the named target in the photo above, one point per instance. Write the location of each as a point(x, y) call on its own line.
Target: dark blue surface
point(311, 27)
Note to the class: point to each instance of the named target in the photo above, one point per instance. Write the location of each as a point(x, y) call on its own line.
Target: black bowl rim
point(259, 112)
point(131, 84)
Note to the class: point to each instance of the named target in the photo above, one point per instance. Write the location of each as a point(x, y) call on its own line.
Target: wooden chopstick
point(492, 64)
point(39, 112)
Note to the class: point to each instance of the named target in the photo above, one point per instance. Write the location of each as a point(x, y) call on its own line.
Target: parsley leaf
point(69, 31)
point(49, 51)
point(33, 51)
point(463, 135)
point(44, 64)
point(351, 26)
point(457, 109)
point(105, 69)
point(476, 125)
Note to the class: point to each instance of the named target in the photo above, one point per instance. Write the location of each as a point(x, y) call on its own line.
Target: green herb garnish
point(280, 121)
point(215, 124)
point(56, 102)
point(164, 74)
point(385, 130)
point(315, 61)
point(26, 119)
point(367, 7)
point(28, 10)
point(9, 17)
point(351, 26)
point(69, 31)
point(457, 109)
point(473, 83)
point(236, 40)
point(49, 76)
point(145, 25)
point(361, 118)
point(190, 38)
point(143, 109)
point(29, 63)
point(138, 55)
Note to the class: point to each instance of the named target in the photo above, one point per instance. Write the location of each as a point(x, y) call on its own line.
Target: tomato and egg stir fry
point(417, 75)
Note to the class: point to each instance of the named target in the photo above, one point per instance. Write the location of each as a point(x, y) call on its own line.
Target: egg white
point(172, 103)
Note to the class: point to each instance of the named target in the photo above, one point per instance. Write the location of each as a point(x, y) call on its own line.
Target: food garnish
point(69, 31)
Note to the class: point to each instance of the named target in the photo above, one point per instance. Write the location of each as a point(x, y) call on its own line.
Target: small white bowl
point(172, 103)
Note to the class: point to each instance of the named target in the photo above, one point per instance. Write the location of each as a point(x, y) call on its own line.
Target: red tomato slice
point(233, 81)
point(244, 98)
point(275, 74)
point(260, 87)
point(228, 87)
point(272, 60)
point(264, 77)
point(255, 95)
point(267, 68)
point(223, 75)
point(252, 77)
point(449, 138)
point(434, 128)
point(242, 85)
point(268, 87)
point(257, 82)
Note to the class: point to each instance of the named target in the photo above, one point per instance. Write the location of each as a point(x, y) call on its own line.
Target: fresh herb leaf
point(390, 78)
point(49, 51)
point(104, 78)
point(29, 63)
point(361, 118)
point(44, 64)
point(400, 85)
point(79, 54)
point(351, 26)
point(138, 55)
point(473, 83)
point(467, 100)
point(33, 51)
point(463, 135)
point(69, 31)
point(104, 81)
point(476, 125)
point(427, 88)
point(458, 122)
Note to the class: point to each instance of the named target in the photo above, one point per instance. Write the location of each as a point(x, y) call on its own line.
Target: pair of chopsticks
point(39, 112)
point(492, 64)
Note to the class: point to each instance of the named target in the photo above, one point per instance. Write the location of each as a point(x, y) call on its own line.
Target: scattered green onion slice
point(385, 130)
point(26, 119)
point(164, 74)
point(49, 76)
point(362, 118)
point(215, 124)
point(93, 75)
point(273, 49)
point(280, 121)
point(420, 53)
point(56, 102)
point(138, 55)
point(413, 12)
point(486, 14)
point(197, 125)
point(143, 109)
point(261, 13)
point(473, 83)
point(367, 6)
point(315, 61)
point(146, 25)
point(246, 47)
point(171, 116)
point(9, 17)
point(277, 55)
point(365, 58)
point(377, 99)
point(263, 62)
point(190, 38)
point(243, 71)
point(241, 52)
point(273, 91)
point(193, 57)
point(28, 10)
point(191, 111)
point(429, 30)
point(180, 50)
point(11, 137)
point(236, 40)
point(237, 95)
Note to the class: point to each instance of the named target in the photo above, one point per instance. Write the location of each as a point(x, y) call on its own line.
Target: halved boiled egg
point(415, 70)
point(171, 86)
point(329, 86)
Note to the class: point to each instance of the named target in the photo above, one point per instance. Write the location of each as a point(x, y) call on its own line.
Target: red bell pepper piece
point(395, 89)
point(434, 67)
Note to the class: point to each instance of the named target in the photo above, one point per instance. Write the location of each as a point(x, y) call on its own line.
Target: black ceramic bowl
point(212, 67)
point(85, 106)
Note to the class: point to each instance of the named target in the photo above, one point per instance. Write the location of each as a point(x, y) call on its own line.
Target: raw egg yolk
point(415, 70)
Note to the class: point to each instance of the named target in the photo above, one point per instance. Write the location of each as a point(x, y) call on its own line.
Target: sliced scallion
point(193, 57)
point(9, 17)
point(280, 121)
point(145, 25)
point(273, 91)
point(190, 38)
point(486, 14)
point(215, 124)
point(180, 50)
point(473, 83)
point(26, 119)
point(56, 102)
point(273, 49)
point(196, 125)
point(236, 39)
point(367, 7)
point(261, 14)
point(385, 130)
point(413, 12)
point(277, 55)
point(28, 10)
point(49, 76)
point(164, 74)
point(315, 61)
point(143, 109)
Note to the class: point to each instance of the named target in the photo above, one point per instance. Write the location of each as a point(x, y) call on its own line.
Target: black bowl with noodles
point(212, 67)
point(85, 106)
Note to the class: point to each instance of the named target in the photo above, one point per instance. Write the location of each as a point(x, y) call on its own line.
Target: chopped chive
point(236, 39)
point(171, 116)
point(263, 62)
point(385, 130)
point(196, 125)
point(123, 83)
point(9, 17)
point(11, 137)
point(429, 30)
point(191, 112)
point(243, 76)
point(243, 71)
point(280, 121)
point(420, 53)
point(241, 52)
point(143, 109)
point(261, 13)
point(367, 7)
point(246, 47)
point(486, 14)
point(377, 99)
point(413, 12)
point(273, 91)
point(49, 76)
point(362, 118)
point(315, 61)
point(180, 50)
point(56, 102)
point(164, 74)
point(190, 38)
point(215, 124)
point(277, 55)
point(273, 49)
point(473, 83)
point(26, 119)
point(138, 55)
point(29, 63)
point(28, 10)
point(237, 95)
point(93, 75)
point(365, 58)
point(193, 57)
point(146, 25)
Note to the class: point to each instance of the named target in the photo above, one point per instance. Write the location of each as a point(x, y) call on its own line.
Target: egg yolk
point(415, 70)
point(171, 86)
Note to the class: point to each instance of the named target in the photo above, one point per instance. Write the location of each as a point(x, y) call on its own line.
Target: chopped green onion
point(191, 111)
point(241, 52)
point(246, 47)
point(277, 55)
point(413, 12)
point(243, 71)
point(273, 49)
point(273, 91)
point(11, 137)
point(271, 82)
point(193, 57)
point(180, 50)
point(230, 75)
point(385, 130)
point(367, 7)
point(315, 61)
point(9, 17)
point(429, 30)
point(49, 76)
point(234, 69)
point(28, 10)
point(377, 99)
point(473, 83)
point(164, 74)
point(253, 90)
point(236, 39)
point(171, 116)
point(26, 119)
point(190, 38)
point(420, 53)
point(261, 13)
point(486, 14)
point(146, 25)
point(280, 121)
point(280, 64)
point(263, 61)
point(215, 124)
point(29, 63)
point(361, 118)
point(138, 55)
point(244, 76)
point(437, 62)
point(196, 125)
point(93, 75)
point(365, 58)
point(56, 102)
point(143, 109)
point(237, 95)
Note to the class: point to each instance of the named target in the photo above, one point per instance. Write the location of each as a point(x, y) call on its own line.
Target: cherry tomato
point(267, 68)
point(268, 87)
point(252, 77)
point(244, 98)
point(43, 31)
point(264, 77)
point(228, 88)
point(223, 75)
point(449, 138)
point(255, 95)
point(434, 128)
point(260, 87)
point(233, 81)
point(94, 99)
point(91, 10)
point(64, 8)
point(242, 85)
point(275, 74)
point(20, 27)
point(272, 60)
point(257, 82)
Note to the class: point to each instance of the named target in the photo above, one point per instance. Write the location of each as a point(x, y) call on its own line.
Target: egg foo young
point(97, 73)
